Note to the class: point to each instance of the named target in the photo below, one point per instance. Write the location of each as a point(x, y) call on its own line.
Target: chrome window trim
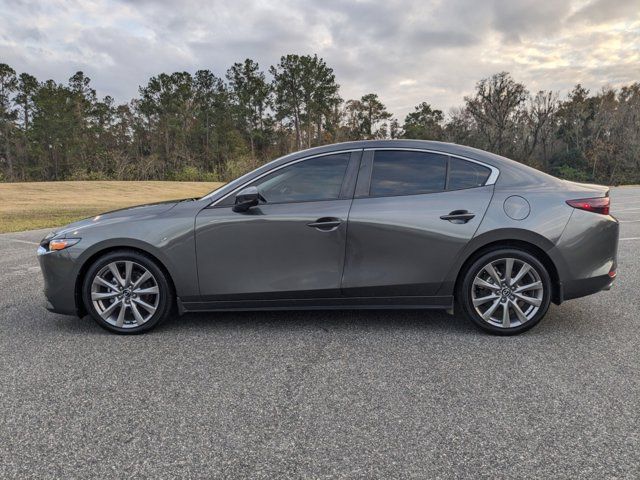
point(495, 172)
point(268, 172)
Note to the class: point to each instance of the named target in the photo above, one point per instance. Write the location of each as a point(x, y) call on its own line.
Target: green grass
point(32, 205)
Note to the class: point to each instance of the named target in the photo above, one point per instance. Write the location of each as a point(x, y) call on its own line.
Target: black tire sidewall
point(464, 293)
point(164, 305)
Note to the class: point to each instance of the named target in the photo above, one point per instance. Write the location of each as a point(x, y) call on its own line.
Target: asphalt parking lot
point(357, 394)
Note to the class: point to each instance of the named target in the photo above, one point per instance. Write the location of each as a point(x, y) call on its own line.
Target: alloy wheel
point(507, 292)
point(125, 294)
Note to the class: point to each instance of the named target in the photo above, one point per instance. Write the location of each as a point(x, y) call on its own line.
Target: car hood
point(136, 212)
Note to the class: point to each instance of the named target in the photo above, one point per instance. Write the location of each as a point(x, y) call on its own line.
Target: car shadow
point(290, 320)
point(349, 321)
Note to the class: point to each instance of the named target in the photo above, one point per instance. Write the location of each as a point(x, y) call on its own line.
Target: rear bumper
point(586, 254)
point(585, 286)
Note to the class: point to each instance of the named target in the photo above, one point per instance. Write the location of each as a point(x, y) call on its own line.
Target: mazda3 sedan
point(371, 224)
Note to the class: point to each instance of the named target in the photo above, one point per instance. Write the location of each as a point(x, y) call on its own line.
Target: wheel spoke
point(486, 315)
point(102, 295)
point(143, 278)
point(521, 273)
point(120, 320)
point(484, 284)
point(483, 300)
point(116, 273)
point(492, 271)
point(508, 268)
point(128, 266)
point(104, 283)
point(520, 314)
point(106, 313)
point(137, 315)
point(506, 317)
point(147, 291)
point(536, 302)
point(149, 308)
point(531, 286)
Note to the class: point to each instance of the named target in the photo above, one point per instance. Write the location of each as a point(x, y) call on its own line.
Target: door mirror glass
point(247, 198)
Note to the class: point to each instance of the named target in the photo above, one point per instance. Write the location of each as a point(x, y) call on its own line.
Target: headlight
point(56, 244)
point(62, 243)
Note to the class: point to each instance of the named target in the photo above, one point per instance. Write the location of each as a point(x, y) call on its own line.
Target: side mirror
point(247, 198)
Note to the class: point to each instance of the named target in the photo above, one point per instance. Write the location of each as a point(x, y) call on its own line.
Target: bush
point(81, 174)
point(193, 174)
point(238, 167)
point(571, 173)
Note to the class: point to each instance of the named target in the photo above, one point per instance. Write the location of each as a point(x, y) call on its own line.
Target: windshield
point(213, 191)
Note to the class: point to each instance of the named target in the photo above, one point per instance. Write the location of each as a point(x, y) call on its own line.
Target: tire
point(133, 298)
point(526, 299)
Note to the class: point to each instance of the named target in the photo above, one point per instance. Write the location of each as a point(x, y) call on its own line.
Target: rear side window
point(463, 174)
point(407, 173)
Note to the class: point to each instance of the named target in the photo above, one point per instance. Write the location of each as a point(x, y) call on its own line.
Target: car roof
point(512, 174)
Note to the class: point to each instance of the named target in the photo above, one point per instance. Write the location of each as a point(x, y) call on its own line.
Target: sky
point(405, 51)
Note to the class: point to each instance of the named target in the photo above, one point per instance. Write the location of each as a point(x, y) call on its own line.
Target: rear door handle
point(458, 216)
point(325, 224)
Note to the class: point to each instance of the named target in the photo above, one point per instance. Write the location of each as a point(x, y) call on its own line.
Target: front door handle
point(325, 224)
point(458, 216)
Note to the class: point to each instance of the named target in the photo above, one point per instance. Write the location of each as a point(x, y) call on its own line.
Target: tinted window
point(407, 173)
point(316, 179)
point(463, 174)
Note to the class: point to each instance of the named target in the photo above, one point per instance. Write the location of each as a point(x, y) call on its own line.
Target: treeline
point(185, 126)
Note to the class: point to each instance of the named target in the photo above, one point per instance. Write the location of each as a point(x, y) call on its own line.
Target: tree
point(365, 116)
point(424, 123)
point(27, 87)
point(496, 107)
point(305, 90)
point(540, 124)
point(251, 94)
point(185, 126)
point(8, 84)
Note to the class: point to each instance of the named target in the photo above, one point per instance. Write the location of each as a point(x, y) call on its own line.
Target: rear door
point(413, 213)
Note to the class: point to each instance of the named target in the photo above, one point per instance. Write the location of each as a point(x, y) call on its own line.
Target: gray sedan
point(377, 224)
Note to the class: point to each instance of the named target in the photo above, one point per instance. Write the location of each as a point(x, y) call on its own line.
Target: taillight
point(595, 205)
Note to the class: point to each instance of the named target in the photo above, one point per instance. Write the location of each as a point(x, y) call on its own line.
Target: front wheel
point(505, 291)
point(127, 292)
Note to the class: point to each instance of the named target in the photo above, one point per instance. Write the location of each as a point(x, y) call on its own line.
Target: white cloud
point(406, 51)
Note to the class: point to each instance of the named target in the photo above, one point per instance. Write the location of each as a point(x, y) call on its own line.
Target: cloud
point(601, 11)
point(406, 51)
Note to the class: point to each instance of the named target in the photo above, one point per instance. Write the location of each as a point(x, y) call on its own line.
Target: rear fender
point(501, 237)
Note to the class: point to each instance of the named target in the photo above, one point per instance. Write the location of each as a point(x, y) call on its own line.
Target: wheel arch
point(525, 240)
point(102, 249)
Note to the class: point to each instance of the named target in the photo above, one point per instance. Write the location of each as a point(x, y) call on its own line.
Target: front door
point(292, 245)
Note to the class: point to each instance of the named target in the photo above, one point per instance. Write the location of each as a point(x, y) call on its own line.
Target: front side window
point(310, 180)
point(397, 172)
point(463, 174)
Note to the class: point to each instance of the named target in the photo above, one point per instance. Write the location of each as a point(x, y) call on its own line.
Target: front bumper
point(58, 271)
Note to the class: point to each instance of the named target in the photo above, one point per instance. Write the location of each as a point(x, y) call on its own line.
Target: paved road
point(322, 394)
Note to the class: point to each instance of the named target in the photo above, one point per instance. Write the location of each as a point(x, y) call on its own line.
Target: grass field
point(26, 206)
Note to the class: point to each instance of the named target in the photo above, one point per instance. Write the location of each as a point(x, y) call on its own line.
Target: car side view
point(369, 224)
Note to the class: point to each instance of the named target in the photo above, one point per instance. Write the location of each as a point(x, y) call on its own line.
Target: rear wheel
point(505, 291)
point(127, 292)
